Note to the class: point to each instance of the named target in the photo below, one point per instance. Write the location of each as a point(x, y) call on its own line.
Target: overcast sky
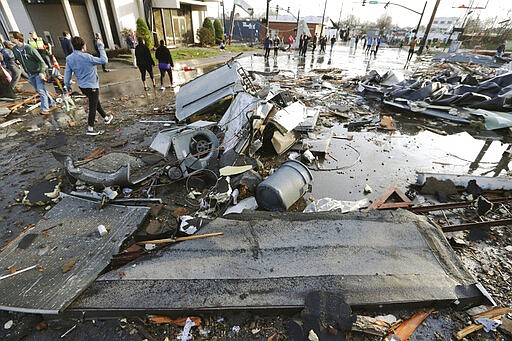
point(502, 9)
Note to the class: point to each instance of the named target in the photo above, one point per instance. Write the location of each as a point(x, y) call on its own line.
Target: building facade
point(174, 21)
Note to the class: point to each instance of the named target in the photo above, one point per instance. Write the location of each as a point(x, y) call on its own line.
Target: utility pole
point(266, 19)
point(323, 17)
point(223, 19)
point(425, 35)
point(421, 17)
point(232, 23)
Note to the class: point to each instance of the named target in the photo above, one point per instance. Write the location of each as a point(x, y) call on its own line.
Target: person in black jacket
point(165, 63)
point(97, 38)
point(145, 62)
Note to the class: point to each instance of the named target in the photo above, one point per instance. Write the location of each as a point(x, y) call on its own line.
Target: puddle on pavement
point(382, 160)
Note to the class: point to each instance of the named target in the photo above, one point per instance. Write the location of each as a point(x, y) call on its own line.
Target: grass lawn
point(204, 52)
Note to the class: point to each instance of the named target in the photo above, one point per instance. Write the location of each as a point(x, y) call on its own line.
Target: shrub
point(205, 36)
point(144, 32)
point(219, 31)
point(209, 25)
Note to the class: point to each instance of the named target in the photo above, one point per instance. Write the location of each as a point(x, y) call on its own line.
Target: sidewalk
point(124, 72)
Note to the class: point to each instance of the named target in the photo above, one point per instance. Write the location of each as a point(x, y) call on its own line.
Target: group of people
point(269, 43)
point(315, 40)
point(372, 46)
point(35, 59)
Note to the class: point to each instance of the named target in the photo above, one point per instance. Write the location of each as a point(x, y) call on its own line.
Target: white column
point(8, 16)
point(92, 16)
point(106, 23)
point(70, 18)
point(140, 4)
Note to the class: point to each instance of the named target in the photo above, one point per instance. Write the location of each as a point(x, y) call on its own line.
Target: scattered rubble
point(251, 141)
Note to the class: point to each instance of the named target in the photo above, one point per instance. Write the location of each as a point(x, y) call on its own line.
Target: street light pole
point(425, 35)
point(323, 17)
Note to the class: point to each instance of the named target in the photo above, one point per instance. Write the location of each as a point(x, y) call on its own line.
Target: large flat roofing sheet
point(68, 251)
point(272, 260)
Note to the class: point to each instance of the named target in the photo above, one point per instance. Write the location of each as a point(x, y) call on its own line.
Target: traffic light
point(364, 2)
point(387, 4)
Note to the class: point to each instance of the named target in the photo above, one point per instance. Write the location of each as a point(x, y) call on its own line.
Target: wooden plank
point(68, 253)
point(490, 314)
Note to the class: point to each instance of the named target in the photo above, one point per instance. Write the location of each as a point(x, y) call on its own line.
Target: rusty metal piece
point(449, 206)
point(479, 225)
point(392, 193)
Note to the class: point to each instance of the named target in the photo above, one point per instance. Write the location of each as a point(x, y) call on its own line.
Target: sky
point(502, 9)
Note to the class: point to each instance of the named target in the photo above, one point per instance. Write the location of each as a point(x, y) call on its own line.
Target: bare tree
point(383, 22)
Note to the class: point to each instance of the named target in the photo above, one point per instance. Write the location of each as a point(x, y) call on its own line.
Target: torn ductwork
point(207, 90)
point(121, 177)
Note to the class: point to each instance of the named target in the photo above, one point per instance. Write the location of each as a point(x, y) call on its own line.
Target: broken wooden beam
point(490, 314)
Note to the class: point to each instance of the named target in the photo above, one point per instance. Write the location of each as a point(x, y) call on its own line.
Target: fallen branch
point(179, 239)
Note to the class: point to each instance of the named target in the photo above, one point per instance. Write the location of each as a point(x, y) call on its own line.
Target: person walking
point(500, 50)
point(290, 42)
point(10, 63)
point(165, 63)
point(373, 48)
point(145, 62)
point(305, 45)
point(412, 46)
point(333, 40)
point(277, 42)
point(357, 41)
point(83, 65)
point(65, 43)
point(35, 67)
point(368, 45)
point(42, 46)
point(379, 40)
point(97, 38)
point(323, 44)
point(130, 41)
point(314, 41)
point(267, 44)
point(301, 43)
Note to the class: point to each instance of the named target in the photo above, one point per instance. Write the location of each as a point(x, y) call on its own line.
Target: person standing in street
point(277, 42)
point(333, 40)
point(373, 48)
point(83, 65)
point(10, 63)
point(305, 45)
point(145, 62)
point(97, 38)
point(165, 63)
point(368, 45)
point(267, 44)
point(65, 42)
point(412, 46)
point(314, 41)
point(500, 50)
point(35, 67)
point(130, 41)
point(42, 46)
point(379, 40)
